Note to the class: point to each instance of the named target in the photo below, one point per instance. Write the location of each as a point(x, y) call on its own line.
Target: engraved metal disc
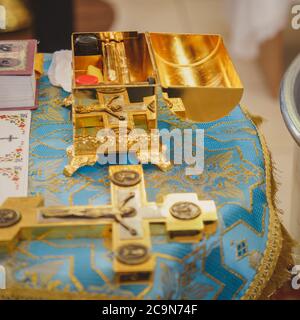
point(126, 178)
point(133, 254)
point(185, 210)
point(9, 217)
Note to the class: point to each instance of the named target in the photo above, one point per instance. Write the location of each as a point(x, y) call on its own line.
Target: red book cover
point(17, 57)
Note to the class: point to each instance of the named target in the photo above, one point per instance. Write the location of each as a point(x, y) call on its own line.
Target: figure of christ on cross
point(130, 218)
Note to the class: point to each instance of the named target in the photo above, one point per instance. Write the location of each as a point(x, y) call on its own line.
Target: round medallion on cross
point(133, 254)
point(9, 217)
point(126, 178)
point(185, 210)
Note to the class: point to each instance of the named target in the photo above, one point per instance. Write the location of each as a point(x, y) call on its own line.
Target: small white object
point(2, 18)
point(60, 70)
point(2, 278)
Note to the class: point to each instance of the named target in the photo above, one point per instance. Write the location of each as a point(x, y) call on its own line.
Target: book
point(18, 87)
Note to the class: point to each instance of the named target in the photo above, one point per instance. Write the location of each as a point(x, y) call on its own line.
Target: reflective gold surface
point(124, 59)
point(194, 69)
point(197, 69)
point(129, 220)
point(195, 73)
point(191, 60)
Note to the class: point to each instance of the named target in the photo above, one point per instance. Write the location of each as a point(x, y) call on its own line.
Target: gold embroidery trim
point(274, 242)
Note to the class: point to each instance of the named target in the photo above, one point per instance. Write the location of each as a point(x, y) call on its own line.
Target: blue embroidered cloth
point(224, 266)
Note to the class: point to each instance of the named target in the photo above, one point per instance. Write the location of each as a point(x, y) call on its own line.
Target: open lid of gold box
point(192, 67)
point(197, 69)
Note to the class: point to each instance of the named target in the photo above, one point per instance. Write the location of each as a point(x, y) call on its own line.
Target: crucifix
point(130, 221)
point(113, 111)
point(10, 138)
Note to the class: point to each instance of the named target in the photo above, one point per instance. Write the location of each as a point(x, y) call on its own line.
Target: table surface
point(233, 263)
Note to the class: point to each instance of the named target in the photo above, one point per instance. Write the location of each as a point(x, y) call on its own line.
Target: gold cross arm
point(129, 221)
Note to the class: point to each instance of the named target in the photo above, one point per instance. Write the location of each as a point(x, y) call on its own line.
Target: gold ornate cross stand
point(114, 112)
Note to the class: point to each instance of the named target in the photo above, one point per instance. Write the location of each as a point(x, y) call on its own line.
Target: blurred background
point(258, 34)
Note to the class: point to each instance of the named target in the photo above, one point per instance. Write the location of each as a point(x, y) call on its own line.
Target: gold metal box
point(125, 71)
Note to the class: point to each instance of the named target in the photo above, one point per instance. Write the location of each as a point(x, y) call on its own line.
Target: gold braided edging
point(42, 294)
point(273, 269)
point(281, 273)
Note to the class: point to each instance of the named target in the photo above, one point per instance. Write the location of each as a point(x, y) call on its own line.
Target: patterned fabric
point(225, 266)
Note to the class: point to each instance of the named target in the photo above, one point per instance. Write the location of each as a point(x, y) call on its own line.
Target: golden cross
point(129, 220)
point(114, 111)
